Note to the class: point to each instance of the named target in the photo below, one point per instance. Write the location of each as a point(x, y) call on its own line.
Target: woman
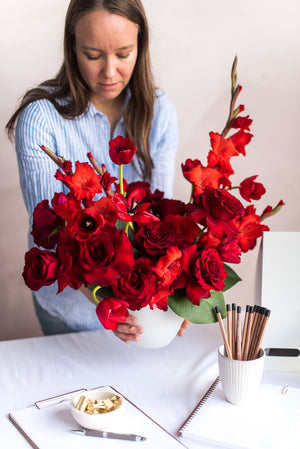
point(103, 89)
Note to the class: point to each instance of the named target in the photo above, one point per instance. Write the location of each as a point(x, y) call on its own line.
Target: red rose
point(45, 225)
point(217, 209)
point(106, 256)
point(121, 150)
point(155, 238)
point(209, 270)
point(166, 207)
point(203, 272)
point(251, 190)
point(230, 251)
point(41, 268)
point(186, 227)
point(138, 286)
point(69, 273)
point(111, 312)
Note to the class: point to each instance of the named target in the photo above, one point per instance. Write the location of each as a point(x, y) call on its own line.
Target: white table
point(165, 383)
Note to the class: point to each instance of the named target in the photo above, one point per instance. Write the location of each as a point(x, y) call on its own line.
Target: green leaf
point(231, 279)
point(122, 225)
point(203, 314)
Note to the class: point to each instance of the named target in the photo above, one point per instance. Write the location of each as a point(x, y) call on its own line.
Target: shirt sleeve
point(36, 169)
point(164, 145)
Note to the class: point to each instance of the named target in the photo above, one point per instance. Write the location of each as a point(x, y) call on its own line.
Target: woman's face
point(106, 47)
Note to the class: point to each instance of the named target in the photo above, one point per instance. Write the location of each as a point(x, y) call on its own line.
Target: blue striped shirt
point(41, 124)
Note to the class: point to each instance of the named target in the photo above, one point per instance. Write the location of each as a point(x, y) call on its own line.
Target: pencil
point(238, 334)
point(233, 306)
point(228, 309)
point(264, 320)
point(256, 331)
point(247, 340)
point(245, 328)
point(227, 347)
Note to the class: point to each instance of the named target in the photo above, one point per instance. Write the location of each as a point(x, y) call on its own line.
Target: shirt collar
point(91, 110)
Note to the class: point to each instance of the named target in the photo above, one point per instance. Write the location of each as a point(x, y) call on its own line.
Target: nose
point(109, 67)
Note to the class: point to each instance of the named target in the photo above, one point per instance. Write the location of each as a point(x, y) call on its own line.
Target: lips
point(107, 86)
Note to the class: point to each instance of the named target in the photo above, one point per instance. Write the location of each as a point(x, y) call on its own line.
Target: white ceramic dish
point(101, 421)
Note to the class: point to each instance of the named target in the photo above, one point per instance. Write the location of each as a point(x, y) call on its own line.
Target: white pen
point(104, 434)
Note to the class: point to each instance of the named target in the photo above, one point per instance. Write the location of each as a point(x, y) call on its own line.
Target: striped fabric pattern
point(41, 124)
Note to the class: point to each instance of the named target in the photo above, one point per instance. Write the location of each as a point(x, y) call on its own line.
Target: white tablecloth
point(165, 383)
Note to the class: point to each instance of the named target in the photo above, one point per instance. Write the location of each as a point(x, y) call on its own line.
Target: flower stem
point(126, 227)
point(121, 180)
point(94, 294)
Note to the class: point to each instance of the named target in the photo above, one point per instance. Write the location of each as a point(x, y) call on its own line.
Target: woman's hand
point(183, 328)
point(129, 330)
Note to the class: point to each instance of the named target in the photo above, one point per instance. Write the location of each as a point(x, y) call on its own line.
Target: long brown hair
point(69, 84)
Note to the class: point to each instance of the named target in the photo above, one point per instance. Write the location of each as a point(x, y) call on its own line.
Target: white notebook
point(49, 427)
point(271, 420)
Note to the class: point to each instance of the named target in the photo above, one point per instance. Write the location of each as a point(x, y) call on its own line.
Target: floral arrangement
point(134, 248)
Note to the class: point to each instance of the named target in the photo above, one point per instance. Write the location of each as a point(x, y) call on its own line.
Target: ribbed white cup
point(240, 379)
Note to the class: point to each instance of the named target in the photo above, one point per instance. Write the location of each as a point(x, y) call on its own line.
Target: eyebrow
point(126, 47)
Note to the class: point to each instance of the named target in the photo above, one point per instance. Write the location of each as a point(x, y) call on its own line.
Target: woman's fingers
point(129, 330)
point(182, 328)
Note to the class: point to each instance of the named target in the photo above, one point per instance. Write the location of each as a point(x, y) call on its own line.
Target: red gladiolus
point(270, 211)
point(121, 150)
point(250, 229)
point(41, 268)
point(65, 205)
point(169, 266)
point(107, 209)
point(200, 176)
point(84, 183)
point(242, 122)
point(107, 180)
point(240, 140)
point(111, 312)
point(251, 190)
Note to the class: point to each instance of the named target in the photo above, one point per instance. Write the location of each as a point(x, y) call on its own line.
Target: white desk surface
point(165, 383)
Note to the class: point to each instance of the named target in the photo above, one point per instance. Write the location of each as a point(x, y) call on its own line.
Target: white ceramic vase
point(160, 327)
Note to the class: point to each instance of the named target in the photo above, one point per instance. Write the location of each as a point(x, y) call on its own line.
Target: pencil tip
point(217, 309)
